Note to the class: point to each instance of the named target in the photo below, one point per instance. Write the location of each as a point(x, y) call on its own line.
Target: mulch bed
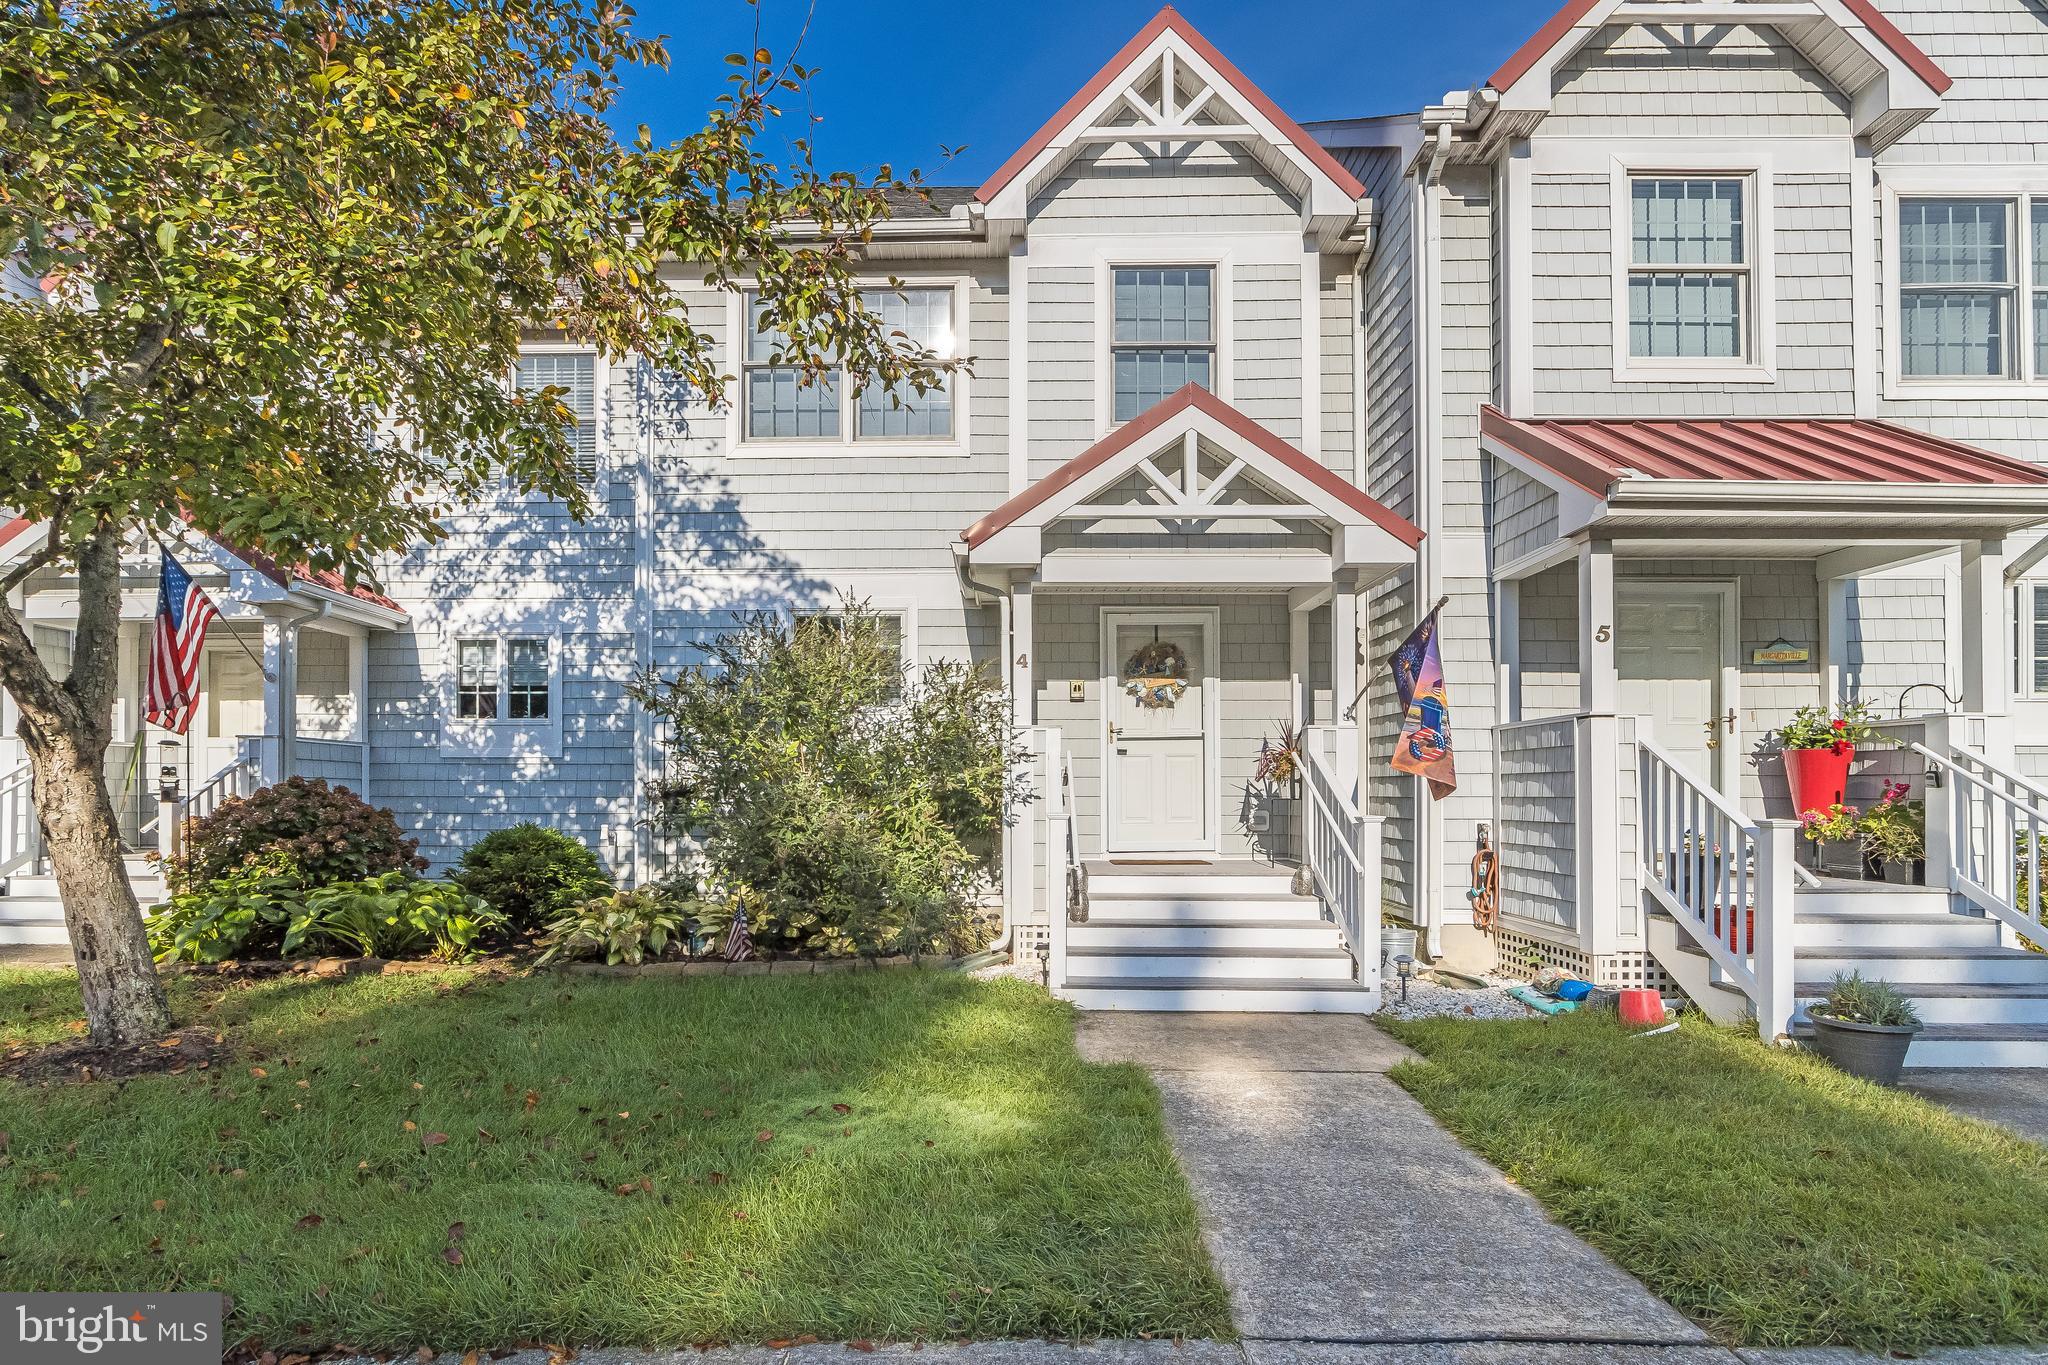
point(82, 1060)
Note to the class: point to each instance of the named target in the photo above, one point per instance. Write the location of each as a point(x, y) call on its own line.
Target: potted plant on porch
point(1893, 834)
point(1817, 745)
point(1864, 1027)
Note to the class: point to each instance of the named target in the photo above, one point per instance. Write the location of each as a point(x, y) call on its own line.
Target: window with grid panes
point(1164, 334)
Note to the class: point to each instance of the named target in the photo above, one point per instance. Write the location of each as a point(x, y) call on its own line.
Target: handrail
point(20, 835)
point(1984, 818)
point(1725, 879)
point(1062, 857)
point(1341, 849)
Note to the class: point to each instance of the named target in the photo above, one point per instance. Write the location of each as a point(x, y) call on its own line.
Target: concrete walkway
point(2017, 1099)
point(1341, 1214)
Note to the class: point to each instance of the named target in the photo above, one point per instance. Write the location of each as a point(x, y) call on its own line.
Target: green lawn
point(1765, 1194)
point(457, 1161)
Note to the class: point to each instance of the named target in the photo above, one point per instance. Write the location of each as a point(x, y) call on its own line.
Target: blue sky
point(899, 80)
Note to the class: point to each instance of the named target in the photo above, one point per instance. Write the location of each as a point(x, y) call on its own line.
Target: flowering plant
point(1837, 822)
point(1829, 727)
point(1895, 829)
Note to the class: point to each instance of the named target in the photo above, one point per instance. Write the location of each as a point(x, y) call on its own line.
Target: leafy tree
point(285, 250)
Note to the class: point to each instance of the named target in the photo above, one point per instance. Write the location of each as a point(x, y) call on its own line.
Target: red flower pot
point(1819, 778)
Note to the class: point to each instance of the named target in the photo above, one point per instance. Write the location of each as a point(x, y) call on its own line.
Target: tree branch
point(33, 387)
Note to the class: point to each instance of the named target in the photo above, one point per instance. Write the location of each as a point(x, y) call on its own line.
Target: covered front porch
point(1667, 595)
point(1175, 602)
point(283, 679)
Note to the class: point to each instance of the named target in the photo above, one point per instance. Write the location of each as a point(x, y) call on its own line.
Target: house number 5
point(1604, 634)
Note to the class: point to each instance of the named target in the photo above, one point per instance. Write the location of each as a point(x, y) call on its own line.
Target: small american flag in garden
point(170, 693)
point(739, 944)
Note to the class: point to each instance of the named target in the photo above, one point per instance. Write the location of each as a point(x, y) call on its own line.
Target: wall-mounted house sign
point(1780, 651)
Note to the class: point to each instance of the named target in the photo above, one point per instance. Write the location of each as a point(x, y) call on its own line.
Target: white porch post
point(1599, 692)
point(1302, 710)
point(1987, 685)
point(1021, 836)
point(1507, 650)
point(280, 694)
point(1834, 639)
point(1344, 651)
point(1023, 696)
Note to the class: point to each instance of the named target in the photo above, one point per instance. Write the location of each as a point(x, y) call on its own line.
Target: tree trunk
point(124, 1001)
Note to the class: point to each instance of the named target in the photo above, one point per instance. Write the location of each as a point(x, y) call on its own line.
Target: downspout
point(1429, 492)
point(979, 592)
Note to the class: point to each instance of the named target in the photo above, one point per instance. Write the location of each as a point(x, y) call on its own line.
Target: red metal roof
point(1594, 454)
point(1168, 18)
point(324, 578)
point(1157, 416)
point(1561, 23)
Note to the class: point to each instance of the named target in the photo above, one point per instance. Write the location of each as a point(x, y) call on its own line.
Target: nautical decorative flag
point(170, 693)
point(739, 944)
point(1424, 747)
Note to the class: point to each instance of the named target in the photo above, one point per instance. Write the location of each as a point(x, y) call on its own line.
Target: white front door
point(1159, 685)
point(1671, 655)
point(233, 707)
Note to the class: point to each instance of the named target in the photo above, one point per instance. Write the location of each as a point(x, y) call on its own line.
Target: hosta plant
point(393, 915)
point(243, 912)
point(625, 927)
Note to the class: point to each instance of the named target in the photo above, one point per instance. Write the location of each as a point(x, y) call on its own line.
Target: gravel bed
point(1427, 1000)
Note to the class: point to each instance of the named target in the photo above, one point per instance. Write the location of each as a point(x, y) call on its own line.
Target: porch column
point(280, 695)
point(1599, 692)
point(1507, 649)
point(1344, 654)
point(1986, 634)
point(1301, 709)
point(1023, 696)
point(1834, 639)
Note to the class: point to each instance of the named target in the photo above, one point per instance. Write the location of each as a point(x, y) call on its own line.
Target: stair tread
point(1987, 952)
point(1207, 892)
point(1955, 990)
point(1196, 950)
point(1206, 983)
point(1115, 922)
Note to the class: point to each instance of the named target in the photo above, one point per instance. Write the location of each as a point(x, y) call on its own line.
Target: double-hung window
point(889, 631)
point(1690, 292)
point(1165, 334)
point(2032, 622)
point(574, 375)
point(778, 406)
point(503, 677)
point(1958, 289)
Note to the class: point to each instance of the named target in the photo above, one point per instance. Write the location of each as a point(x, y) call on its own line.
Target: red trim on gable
point(1192, 396)
point(12, 530)
point(284, 578)
point(1561, 23)
point(1167, 19)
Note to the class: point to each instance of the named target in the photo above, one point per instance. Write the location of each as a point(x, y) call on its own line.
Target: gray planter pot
point(1874, 1052)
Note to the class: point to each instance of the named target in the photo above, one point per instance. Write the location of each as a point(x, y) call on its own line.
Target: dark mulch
point(82, 1059)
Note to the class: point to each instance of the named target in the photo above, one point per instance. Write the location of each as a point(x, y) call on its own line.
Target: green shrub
point(1852, 998)
point(245, 911)
point(626, 926)
point(852, 809)
point(395, 915)
point(329, 833)
point(529, 872)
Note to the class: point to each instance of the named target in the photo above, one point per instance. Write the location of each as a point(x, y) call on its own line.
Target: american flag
point(739, 944)
point(171, 693)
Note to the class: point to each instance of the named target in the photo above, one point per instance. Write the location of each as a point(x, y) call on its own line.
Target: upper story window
point(1165, 334)
point(777, 406)
point(508, 677)
point(574, 373)
point(1958, 289)
point(1689, 273)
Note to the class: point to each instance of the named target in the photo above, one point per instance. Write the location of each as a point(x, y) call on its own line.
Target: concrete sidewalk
point(1341, 1216)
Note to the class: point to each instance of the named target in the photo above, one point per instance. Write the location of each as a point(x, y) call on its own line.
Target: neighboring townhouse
point(1693, 360)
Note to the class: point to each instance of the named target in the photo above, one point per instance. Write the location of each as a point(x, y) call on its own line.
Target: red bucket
point(1819, 778)
point(1640, 1008)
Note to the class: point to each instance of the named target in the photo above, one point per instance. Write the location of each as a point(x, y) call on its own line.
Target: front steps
point(31, 911)
point(1225, 937)
point(1983, 1004)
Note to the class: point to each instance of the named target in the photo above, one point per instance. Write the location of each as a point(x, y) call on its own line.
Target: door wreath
point(1156, 675)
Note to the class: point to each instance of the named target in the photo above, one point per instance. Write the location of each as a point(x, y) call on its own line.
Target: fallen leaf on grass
point(842, 1109)
point(485, 1135)
point(765, 1135)
point(159, 1204)
point(258, 1072)
point(311, 1220)
point(409, 1126)
point(433, 1139)
point(457, 1231)
point(452, 1255)
point(863, 1344)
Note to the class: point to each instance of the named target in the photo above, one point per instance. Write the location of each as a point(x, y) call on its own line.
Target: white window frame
point(501, 736)
point(2021, 186)
point(1171, 255)
point(906, 625)
point(740, 443)
point(1759, 362)
point(600, 408)
point(2024, 616)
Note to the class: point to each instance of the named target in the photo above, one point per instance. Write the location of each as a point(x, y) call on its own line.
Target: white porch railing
point(20, 835)
point(1341, 848)
point(1986, 828)
point(1066, 880)
point(1726, 879)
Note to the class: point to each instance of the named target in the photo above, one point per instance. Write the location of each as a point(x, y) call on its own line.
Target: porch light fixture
point(1044, 952)
point(1404, 967)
